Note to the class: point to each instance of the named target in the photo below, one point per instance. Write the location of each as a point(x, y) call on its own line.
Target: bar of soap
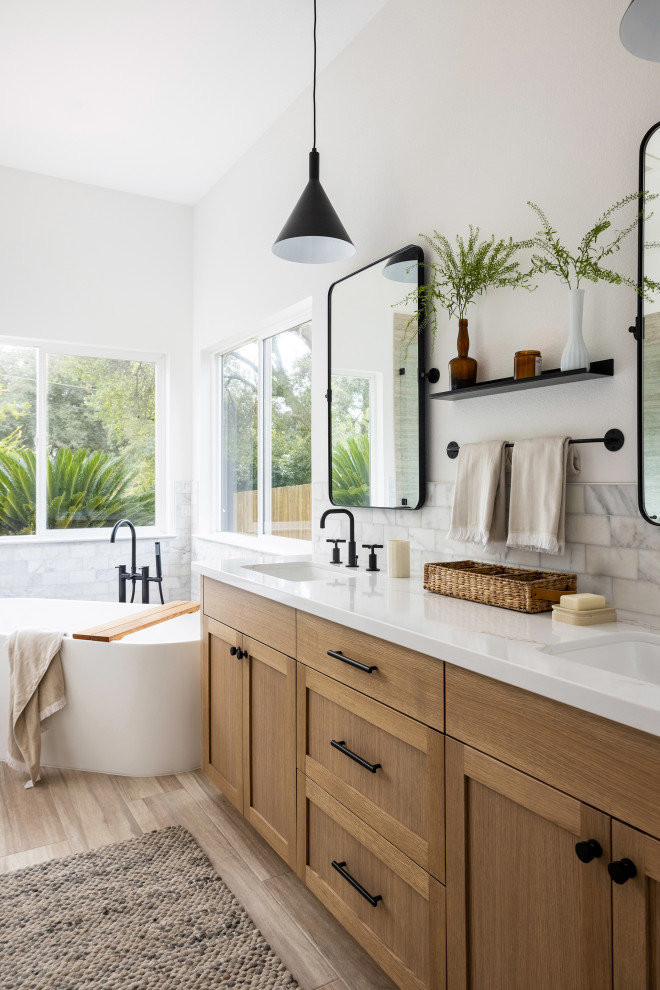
point(582, 601)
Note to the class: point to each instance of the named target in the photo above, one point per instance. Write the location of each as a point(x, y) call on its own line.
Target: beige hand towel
point(538, 492)
point(478, 513)
point(36, 691)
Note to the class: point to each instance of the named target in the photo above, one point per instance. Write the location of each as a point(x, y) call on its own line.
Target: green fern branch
point(462, 273)
point(553, 257)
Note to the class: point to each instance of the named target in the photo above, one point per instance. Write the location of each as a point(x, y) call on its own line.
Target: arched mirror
point(375, 385)
point(647, 332)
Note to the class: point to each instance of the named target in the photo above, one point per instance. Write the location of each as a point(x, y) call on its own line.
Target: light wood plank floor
point(71, 811)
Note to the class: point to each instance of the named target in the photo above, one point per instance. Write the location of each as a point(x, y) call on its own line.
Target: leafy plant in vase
point(585, 265)
point(456, 279)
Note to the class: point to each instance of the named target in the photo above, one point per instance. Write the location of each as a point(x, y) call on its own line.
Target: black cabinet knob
point(621, 870)
point(233, 650)
point(237, 652)
point(588, 850)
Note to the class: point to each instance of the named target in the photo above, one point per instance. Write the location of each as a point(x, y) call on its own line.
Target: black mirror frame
point(638, 331)
point(421, 347)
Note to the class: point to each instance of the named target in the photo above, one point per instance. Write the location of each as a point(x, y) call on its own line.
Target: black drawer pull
point(338, 655)
point(339, 867)
point(342, 747)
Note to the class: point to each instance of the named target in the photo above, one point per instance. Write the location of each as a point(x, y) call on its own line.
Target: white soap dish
point(584, 617)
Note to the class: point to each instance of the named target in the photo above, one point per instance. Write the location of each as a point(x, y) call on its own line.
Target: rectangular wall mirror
point(648, 337)
point(375, 385)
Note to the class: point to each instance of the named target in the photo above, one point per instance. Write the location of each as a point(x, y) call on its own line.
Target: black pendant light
point(640, 29)
point(402, 266)
point(313, 234)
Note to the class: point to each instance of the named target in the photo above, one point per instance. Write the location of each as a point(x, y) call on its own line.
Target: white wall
point(96, 267)
point(440, 115)
point(93, 266)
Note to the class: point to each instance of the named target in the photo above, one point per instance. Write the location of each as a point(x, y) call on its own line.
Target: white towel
point(538, 492)
point(36, 691)
point(479, 510)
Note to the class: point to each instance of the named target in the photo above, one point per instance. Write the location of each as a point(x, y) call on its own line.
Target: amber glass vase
point(462, 369)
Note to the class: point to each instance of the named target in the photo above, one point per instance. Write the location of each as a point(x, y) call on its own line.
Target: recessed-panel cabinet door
point(269, 746)
point(222, 696)
point(523, 911)
point(636, 909)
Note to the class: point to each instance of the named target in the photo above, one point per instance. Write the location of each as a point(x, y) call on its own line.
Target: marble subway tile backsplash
point(86, 570)
point(609, 546)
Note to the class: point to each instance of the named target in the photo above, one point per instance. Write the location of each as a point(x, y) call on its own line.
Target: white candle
point(398, 558)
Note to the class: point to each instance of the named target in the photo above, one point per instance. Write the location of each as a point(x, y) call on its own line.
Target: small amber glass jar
point(527, 364)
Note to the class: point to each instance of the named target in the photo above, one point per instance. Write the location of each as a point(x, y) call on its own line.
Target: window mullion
point(41, 446)
point(264, 436)
point(217, 490)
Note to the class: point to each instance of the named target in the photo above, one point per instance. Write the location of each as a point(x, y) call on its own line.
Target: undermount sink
point(632, 654)
point(294, 570)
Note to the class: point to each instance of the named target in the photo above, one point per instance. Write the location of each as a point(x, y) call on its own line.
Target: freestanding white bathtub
point(133, 706)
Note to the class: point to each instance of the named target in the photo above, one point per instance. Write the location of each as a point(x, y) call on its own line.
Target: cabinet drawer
point(404, 930)
point(400, 789)
point(405, 680)
point(257, 617)
point(607, 765)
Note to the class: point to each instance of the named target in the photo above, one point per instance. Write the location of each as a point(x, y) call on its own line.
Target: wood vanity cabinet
point(636, 911)
point(332, 744)
point(249, 714)
point(522, 909)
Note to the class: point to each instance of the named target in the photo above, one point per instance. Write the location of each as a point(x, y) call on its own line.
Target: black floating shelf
point(598, 369)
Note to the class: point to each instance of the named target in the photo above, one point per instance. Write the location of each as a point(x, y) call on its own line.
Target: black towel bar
point(613, 440)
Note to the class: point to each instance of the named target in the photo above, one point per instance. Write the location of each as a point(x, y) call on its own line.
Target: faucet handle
point(336, 558)
point(373, 560)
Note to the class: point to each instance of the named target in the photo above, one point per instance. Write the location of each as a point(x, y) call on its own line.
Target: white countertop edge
point(615, 697)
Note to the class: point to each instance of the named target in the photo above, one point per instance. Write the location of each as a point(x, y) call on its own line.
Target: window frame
point(289, 319)
point(44, 347)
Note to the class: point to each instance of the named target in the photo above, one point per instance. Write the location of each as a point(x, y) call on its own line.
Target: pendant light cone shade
point(313, 234)
point(640, 29)
point(402, 267)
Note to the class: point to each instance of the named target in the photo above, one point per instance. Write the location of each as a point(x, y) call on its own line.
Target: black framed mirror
point(375, 392)
point(647, 333)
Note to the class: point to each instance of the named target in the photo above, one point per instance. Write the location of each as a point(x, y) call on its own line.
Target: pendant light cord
point(314, 86)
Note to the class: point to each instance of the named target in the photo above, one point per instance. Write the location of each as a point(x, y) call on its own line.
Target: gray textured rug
point(147, 913)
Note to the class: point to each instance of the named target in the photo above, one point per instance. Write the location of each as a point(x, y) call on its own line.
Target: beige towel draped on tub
point(538, 492)
point(36, 691)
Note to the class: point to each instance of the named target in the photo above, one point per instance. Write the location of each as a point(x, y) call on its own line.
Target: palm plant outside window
point(78, 443)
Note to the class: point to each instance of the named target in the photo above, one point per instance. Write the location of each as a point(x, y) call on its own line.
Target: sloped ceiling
point(156, 97)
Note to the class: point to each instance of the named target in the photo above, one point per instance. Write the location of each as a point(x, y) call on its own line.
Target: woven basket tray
point(493, 584)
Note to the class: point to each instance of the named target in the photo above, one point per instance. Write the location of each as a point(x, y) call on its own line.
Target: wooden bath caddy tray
point(118, 628)
point(493, 584)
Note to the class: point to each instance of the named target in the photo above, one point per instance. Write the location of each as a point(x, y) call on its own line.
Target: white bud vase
point(575, 354)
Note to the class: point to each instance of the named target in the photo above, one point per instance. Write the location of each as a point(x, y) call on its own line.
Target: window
point(78, 445)
point(264, 408)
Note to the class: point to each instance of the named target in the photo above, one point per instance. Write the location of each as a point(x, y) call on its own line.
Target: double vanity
point(472, 792)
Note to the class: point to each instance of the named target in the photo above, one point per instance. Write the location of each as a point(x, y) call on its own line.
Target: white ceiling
point(157, 97)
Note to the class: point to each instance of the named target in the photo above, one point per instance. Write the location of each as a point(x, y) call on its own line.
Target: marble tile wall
point(86, 570)
point(611, 548)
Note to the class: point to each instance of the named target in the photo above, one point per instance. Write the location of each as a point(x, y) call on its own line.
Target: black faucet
point(134, 575)
point(125, 576)
point(352, 555)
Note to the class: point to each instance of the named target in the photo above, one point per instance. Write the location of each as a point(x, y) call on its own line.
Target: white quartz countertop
point(509, 646)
